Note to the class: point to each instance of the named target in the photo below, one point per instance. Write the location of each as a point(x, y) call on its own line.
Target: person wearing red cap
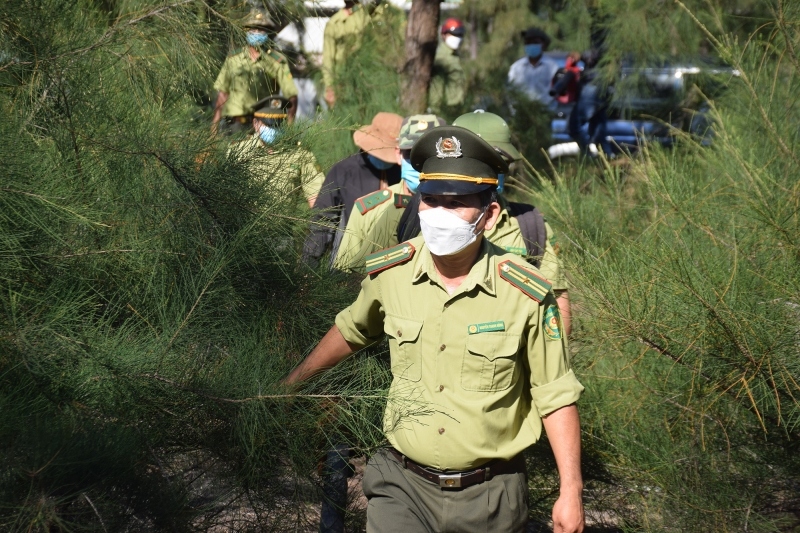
point(373, 168)
point(448, 83)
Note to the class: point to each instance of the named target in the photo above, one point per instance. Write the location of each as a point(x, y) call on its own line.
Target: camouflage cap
point(259, 20)
point(492, 129)
point(414, 126)
point(453, 160)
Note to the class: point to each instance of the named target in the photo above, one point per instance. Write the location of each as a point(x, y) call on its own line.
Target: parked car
point(648, 104)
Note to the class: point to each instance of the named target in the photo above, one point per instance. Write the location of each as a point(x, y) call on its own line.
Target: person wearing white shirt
point(533, 74)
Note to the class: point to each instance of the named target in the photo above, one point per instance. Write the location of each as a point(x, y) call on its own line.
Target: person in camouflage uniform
point(250, 74)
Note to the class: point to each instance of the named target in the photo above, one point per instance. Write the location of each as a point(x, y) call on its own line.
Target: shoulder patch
point(401, 200)
point(276, 56)
point(372, 200)
point(532, 284)
point(389, 257)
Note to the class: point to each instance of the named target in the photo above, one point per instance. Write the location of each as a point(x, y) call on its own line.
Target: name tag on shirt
point(498, 325)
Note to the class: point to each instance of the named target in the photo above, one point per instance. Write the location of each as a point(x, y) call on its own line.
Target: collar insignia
point(448, 147)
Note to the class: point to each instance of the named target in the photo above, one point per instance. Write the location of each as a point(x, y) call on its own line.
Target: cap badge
point(275, 103)
point(448, 147)
point(422, 125)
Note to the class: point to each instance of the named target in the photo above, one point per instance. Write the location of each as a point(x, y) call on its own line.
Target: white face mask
point(452, 42)
point(446, 233)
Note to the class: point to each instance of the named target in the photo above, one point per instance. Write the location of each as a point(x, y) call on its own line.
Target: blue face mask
point(533, 51)
point(256, 38)
point(379, 163)
point(268, 135)
point(501, 180)
point(410, 175)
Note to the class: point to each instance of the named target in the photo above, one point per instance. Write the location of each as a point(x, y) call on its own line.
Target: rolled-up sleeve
point(362, 323)
point(553, 384)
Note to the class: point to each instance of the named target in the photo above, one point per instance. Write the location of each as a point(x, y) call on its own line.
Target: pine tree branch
point(728, 390)
point(261, 397)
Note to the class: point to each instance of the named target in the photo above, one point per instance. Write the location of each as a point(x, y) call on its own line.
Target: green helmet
point(491, 128)
point(414, 126)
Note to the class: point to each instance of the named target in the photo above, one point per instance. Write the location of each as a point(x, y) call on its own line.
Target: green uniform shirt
point(342, 37)
point(284, 171)
point(352, 251)
point(247, 81)
point(448, 83)
point(506, 233)
point(473, 371)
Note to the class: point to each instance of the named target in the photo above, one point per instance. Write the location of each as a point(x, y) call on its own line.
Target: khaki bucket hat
point(380, 137)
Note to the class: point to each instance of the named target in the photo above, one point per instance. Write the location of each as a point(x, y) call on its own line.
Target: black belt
point(461, 480)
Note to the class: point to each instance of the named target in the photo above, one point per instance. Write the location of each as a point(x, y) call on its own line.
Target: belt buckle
point(450, 481)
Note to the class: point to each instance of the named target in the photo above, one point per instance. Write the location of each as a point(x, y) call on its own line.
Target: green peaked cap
point(454, 160)
point(492, 129)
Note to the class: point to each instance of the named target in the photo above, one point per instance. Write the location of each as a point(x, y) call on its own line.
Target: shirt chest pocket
point(404, 346)
point(489, 362)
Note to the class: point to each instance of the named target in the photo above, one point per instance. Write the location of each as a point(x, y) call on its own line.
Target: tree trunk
point(421, 42)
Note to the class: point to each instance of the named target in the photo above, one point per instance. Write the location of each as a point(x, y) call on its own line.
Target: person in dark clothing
point(591, 106)
point(373, 168)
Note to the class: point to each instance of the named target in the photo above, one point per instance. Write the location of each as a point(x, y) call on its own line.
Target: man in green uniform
point(369, 209)
point(284, 169)
point(448, 83)
point(477, 358)
point(250, 74)
point(342, 37)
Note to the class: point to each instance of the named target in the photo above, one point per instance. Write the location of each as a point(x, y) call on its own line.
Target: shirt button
point(399, 333)
point(441, 388)
point(441, 430)
point(442, 347)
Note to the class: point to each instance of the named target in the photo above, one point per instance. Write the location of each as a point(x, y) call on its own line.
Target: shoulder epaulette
point(372, 200)
point(401, 200)
point(276, 56)
point(389, 257)
point(532, 284)
point(355, 8)
point(236, 51)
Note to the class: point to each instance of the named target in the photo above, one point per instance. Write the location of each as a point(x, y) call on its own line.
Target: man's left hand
point(568, 514)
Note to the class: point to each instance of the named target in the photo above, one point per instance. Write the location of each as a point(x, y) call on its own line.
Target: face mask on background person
point(452, 42)
point(410, 175)
point(268, 135)
point(380, 164)
point(533, 51)
point(446, 233)
point(256, 38)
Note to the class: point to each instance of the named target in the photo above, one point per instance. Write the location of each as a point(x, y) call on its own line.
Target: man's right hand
point(330, 96)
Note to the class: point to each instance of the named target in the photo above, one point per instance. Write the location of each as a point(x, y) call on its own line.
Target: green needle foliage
point(151, 293)
point(686, 266)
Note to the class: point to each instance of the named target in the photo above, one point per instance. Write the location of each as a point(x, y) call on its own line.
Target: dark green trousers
point(402, 502)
